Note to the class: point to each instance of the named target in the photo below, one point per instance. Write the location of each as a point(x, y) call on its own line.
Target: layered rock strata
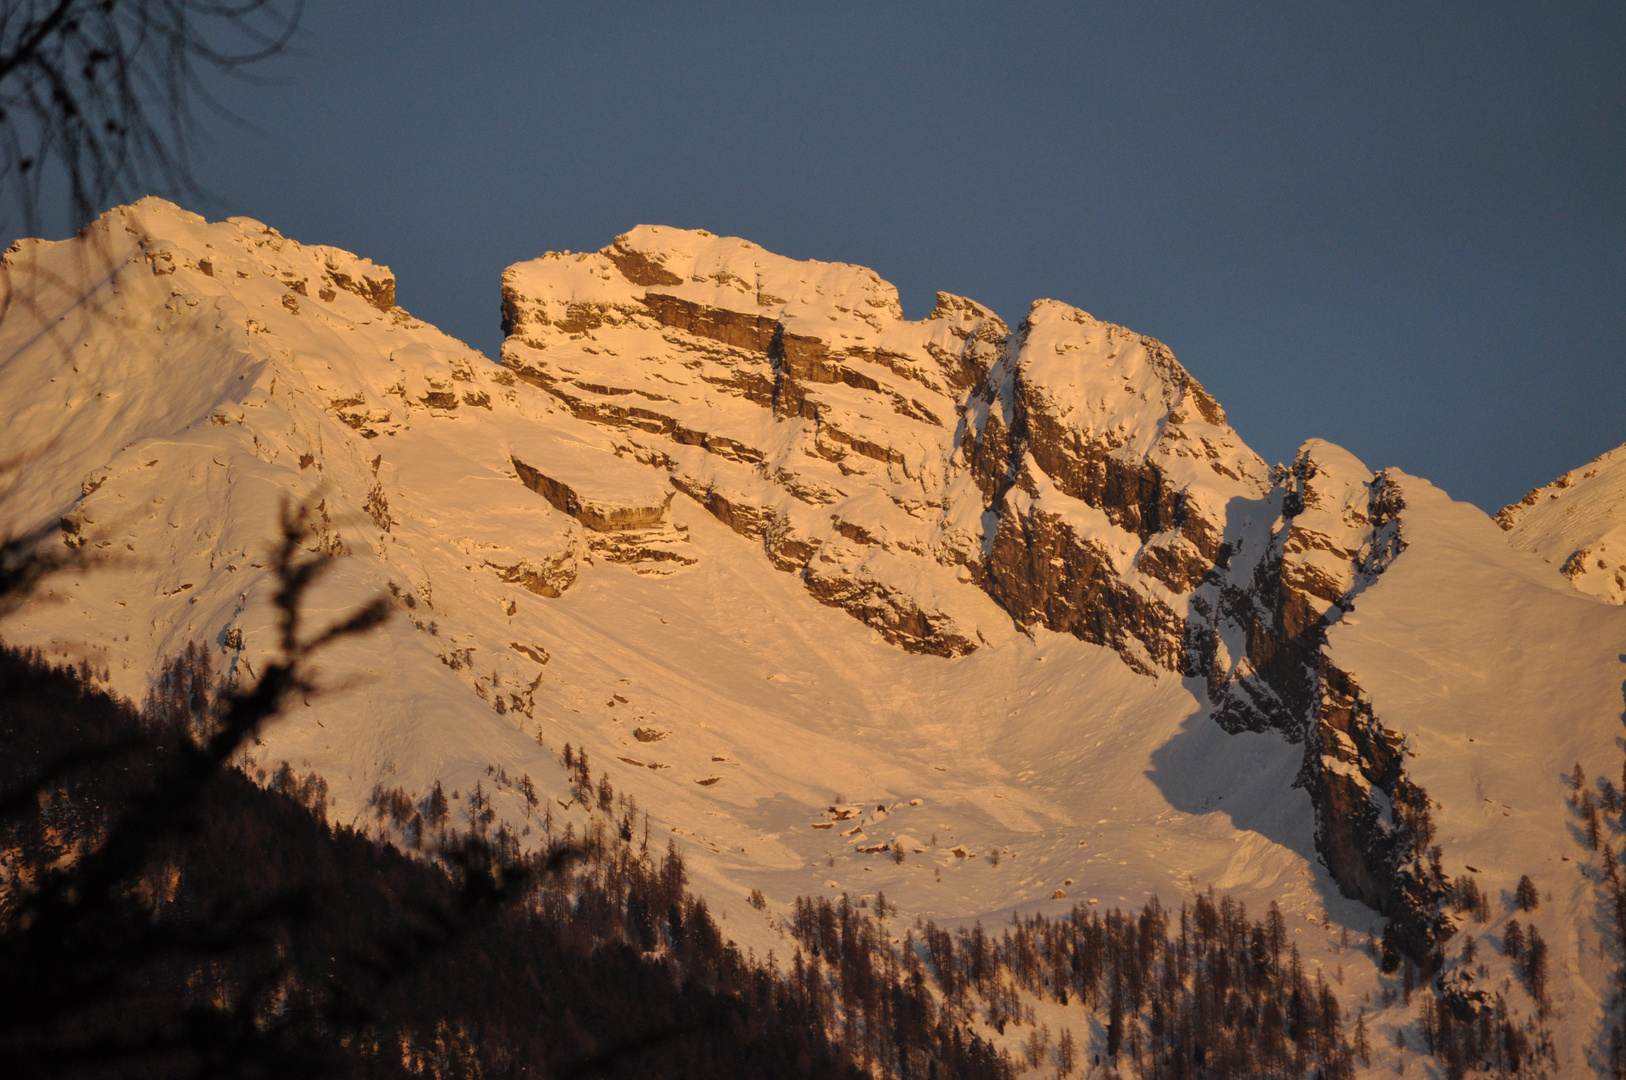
point(1074, 471)
point(791, 400)
point(622, 507)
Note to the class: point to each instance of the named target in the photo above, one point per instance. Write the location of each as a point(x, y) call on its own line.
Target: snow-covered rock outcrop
point(1292, 562)
point(1578, 523)
point(170, 382)
point(1074, 470)
point(1109, 470)
point(1294, 567)
point(790, 399)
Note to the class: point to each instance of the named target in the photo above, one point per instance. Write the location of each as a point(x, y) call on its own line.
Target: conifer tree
point(1535, 965)
point(435, 808)
point(1066, 1053)
point(1513, 939)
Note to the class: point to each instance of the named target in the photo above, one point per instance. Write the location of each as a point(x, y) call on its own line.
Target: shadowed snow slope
point(845, 601)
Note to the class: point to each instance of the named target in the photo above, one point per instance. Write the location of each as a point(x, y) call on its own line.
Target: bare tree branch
point(99, 93)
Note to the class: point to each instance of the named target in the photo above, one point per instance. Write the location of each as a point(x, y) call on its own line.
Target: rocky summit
point(986, 618)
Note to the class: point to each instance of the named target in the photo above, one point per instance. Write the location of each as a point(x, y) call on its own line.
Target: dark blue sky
point(1400, 231)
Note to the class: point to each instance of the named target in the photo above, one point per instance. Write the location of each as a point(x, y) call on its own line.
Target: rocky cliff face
point(1074, 471)
point(1374, 828)
point(791, 400)
point(1294, 565)
point(1108, 470)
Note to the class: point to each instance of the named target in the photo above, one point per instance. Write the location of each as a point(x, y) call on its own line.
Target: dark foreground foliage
point(255, 939)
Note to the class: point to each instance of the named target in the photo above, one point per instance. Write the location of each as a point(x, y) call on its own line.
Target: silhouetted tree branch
point(76, 940)
point(98, 95)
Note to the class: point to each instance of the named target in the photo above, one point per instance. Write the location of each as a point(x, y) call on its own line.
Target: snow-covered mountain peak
point(1094, 390)
point(735, 274)
point(684, 273)
point(1578, 523)
point(198, 305)
point(1087, 365)
point(899, 468)
point(762, 548)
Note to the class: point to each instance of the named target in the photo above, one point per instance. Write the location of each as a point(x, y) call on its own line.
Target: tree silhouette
point(71, 939)
point(99, 95)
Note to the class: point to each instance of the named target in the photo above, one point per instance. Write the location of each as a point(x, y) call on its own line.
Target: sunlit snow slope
point(1501, 679)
